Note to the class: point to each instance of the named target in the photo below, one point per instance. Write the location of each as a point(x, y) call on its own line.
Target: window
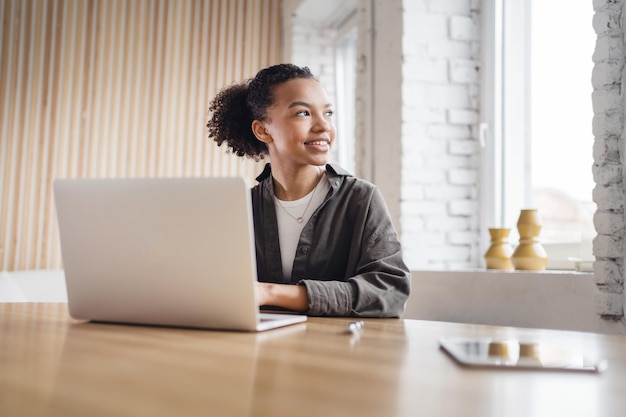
point(539, 141)
point(561, 115)
point(345, 75)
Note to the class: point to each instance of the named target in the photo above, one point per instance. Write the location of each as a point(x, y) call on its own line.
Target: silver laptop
point(161, 251)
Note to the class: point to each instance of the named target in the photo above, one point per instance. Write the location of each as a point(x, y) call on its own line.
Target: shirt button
point(305, 250)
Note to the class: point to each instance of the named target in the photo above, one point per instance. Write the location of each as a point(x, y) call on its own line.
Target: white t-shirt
point(289, 229)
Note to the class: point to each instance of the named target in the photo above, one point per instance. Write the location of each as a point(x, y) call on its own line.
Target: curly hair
point(235, 107)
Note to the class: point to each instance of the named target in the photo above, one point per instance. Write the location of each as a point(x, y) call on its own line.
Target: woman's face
point(299, 125)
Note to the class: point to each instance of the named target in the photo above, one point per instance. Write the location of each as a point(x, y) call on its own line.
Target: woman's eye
point(302, 113)
point(330, 113)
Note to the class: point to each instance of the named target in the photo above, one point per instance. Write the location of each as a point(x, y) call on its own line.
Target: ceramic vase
point(498, 256)
point(529, 254)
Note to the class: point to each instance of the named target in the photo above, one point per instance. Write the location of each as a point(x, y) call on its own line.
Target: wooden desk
point(54, 366)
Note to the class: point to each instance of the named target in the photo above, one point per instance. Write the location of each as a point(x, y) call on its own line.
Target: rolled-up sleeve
point(329, 298)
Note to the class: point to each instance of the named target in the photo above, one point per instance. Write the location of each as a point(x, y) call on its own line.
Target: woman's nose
point(322, 124)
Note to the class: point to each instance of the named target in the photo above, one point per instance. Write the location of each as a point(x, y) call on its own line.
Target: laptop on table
point(161, 251)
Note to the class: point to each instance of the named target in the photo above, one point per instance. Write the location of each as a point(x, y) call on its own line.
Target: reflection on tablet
point(518, 354)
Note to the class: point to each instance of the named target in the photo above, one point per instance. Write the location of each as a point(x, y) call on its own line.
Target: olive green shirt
point(348, 257)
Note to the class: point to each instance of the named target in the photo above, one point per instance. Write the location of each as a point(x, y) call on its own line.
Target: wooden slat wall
point(114, 88)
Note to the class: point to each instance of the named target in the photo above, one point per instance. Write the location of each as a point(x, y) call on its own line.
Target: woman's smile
point(319, 145)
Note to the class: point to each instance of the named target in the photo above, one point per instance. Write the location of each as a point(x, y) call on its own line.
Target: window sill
point(474, 272)
point(552, 299)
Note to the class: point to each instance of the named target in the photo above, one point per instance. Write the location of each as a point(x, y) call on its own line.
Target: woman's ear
point(260, 132)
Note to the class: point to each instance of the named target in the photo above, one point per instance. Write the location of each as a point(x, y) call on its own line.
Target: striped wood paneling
point(114, 88)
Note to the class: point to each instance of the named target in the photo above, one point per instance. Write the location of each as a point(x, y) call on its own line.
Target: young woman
point(325, 243)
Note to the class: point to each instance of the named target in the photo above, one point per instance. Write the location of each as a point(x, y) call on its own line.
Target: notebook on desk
point(161, 251)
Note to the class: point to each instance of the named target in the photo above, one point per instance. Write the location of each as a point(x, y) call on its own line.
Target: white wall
point(440, 200)
point(310, 43)
point(608, 169)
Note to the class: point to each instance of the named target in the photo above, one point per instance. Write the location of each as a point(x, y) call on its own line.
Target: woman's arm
point(293, 297)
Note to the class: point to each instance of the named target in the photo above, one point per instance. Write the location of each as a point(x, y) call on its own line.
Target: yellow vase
point(498, 256)
point(529, 254)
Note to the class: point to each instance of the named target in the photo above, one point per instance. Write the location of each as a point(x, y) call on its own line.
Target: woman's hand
point(293, 297)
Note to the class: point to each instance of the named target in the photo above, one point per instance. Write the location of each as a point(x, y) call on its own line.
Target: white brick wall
point(608, 127)
point(440, 150)
point(314, 50)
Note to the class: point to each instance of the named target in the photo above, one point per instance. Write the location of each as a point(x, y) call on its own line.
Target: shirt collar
point(332, 170)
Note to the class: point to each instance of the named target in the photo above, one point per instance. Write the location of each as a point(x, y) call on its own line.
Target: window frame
point(503, 132)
